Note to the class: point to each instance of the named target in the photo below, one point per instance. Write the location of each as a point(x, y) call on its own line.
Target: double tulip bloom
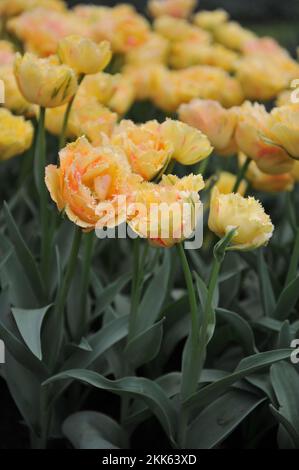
point(87, 178)
point(116, 173)
point(166, 213)
point(171, 88)
point(150, 147)
point(41, 29)
point(121, 26)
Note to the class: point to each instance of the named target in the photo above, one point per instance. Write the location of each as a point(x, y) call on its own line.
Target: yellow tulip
point(189, 145)
point(267, 183)
point(175, 30)
point(233, 35)
point(271, 53)
point(284, 127)
point(170, 88)
point(166, 213)
point(45, 81)
point(147, 149)
point(154, 51)
point(114, 91)
point(187, 53)
point(226, 182)
point(121, 26)
point(16, 134)
point(14, 100)
point(218, 123)
point(143, 78)
point(254, 138)
point(260, 77)
point(176, 8)
point(123, 95)
point(253, 226)
point(211, 19)
point(83, 55)
point(88, 177)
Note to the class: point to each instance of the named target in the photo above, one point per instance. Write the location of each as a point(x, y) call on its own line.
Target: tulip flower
point(154, 51)
point(83, 55)
point(218, 123)
point(264, 182)
point(89, 176)
point(254, 138)
point(16, 134)
point(45, 82)
point(16, 7)
point(232, 35)
point(211, 19)
point(121, 26)
point(189, 145)
point(145, 146)
point(167, 213)
point(41, 29)
point(284, 127)
point(253, 226)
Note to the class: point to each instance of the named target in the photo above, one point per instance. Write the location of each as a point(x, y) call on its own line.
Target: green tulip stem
point(39, 173)
point(62, 139)
point(294, 260)
point(241, 175)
